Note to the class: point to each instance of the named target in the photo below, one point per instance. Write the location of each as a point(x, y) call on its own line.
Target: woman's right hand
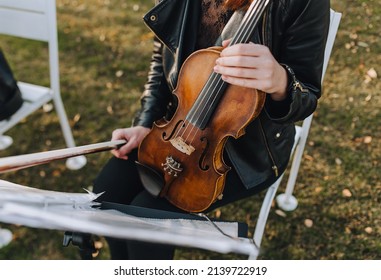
point(133, 135)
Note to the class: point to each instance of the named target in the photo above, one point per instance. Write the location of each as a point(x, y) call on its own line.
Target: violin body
point(180, 160)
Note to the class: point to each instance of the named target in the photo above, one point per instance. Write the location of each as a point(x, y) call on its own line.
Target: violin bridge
point(180, 145)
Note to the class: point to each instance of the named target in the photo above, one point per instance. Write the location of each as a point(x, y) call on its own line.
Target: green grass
point(104, 55)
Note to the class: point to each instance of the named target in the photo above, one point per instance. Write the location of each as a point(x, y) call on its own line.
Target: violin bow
point(13, 163)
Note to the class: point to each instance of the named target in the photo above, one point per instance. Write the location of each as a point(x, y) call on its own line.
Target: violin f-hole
point(201, 163)
point(173, 131)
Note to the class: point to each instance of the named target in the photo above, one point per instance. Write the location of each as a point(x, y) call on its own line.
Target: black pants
point(120, 181)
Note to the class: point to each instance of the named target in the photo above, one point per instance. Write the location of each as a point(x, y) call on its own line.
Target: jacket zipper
point(295, 83)
point(274, 167)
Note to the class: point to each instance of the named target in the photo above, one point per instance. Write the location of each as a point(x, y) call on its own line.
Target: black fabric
point(144, 212)
point(10, 95)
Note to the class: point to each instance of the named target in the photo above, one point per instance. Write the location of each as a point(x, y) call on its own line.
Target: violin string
point(246, 18)
point(249, 17)
point(252, 16)
point(205, 104)
point(215, 79)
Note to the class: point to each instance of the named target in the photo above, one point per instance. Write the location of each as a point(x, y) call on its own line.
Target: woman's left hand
point(253, 66)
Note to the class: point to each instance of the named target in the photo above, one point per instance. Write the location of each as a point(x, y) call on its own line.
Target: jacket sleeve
point(156, 95)
point(302, 50)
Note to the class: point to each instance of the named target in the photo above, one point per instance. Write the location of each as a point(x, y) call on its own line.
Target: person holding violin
point(282, 59)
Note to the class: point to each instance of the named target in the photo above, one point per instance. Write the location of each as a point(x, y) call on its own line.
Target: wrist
point(281, 92)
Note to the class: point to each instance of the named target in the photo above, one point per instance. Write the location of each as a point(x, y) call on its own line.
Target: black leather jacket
point(294, 30)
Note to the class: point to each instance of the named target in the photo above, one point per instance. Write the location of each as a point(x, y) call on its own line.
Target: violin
point(181, 159)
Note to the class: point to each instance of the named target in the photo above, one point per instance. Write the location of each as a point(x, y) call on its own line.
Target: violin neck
point(249, 22)
point(214, 88)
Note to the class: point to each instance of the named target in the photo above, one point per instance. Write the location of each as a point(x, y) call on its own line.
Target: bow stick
point(28, 160)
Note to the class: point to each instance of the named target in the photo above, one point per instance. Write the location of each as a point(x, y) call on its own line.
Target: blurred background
point(104, 52)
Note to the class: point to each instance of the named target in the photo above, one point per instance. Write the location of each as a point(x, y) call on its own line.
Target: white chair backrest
point(335, 18)
point(286, 201)
point(37, 20)
point(28, 19)
point(333, 27)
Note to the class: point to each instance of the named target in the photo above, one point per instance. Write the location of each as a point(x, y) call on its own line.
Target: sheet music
point(19, 193)
point(75, 212)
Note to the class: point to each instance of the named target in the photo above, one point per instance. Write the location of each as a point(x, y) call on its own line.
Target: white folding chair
point(36, 20)
point(287, 201)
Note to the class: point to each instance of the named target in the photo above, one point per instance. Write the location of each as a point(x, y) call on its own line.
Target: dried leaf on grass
point(367, 139)
point(47, 107)
point(76, 118)
point(371, 74)
point(308, 223)
point(347, 193)
point(280, 213)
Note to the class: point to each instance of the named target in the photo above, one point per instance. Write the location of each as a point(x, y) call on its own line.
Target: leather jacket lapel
point(173, 22)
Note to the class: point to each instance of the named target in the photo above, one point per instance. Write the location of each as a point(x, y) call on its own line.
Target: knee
point(119, 181)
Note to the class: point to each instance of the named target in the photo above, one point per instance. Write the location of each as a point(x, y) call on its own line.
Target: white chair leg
point(5, 142)
point(76, 163)
point(254, 256)
point(263, 216)
point(5, 237)
point(264, 213)
point(287, 202)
